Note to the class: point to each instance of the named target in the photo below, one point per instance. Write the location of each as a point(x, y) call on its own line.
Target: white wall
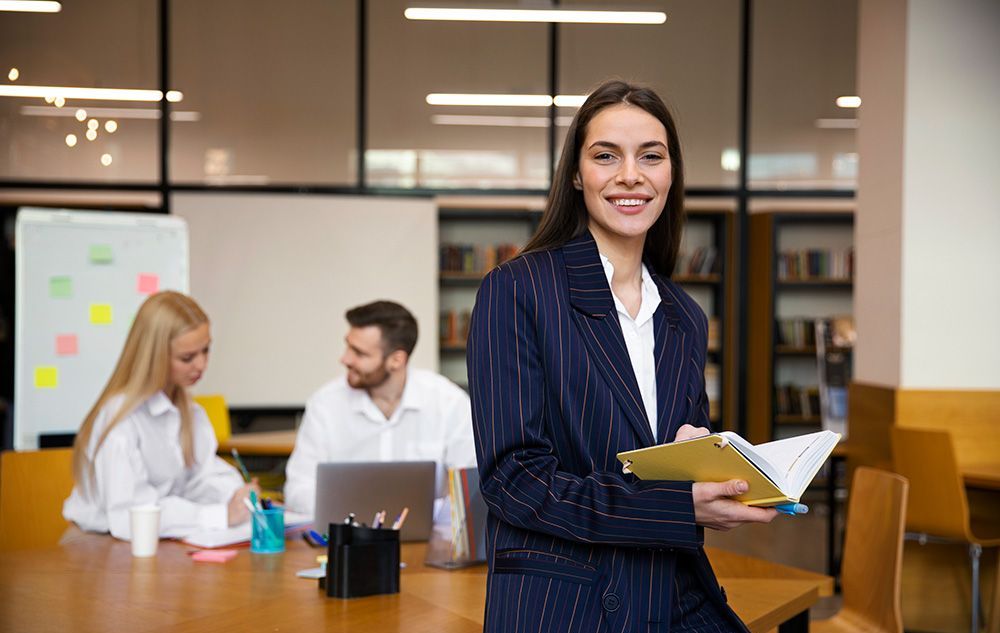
point(928, 238)
point(951, 248)
point(276, 273)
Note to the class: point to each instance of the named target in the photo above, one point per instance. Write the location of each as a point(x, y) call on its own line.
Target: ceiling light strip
point(525, 100)
point(535, 15)
point(30, 6)
point(97, 94)
point(112, 113)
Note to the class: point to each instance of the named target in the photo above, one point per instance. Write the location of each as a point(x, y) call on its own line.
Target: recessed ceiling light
point(13, 74)
point(849, 102)
point(110, 126)
point(71, 140)
point(535, 15)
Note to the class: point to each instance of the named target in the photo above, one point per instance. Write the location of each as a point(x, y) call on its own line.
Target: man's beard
point(370, 380)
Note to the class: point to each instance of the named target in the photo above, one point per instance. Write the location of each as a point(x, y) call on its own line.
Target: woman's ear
point(577, 183)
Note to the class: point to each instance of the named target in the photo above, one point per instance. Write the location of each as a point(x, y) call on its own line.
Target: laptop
point(365, 488)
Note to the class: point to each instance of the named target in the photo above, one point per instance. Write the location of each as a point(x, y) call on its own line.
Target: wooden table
point(982, 475)
point(270, 443)
point(92, 583)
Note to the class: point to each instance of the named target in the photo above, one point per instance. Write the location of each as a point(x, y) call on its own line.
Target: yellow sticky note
point(46, 377)
point(100, 313)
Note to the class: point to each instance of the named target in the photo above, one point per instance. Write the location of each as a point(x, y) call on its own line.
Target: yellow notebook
point(778, 472)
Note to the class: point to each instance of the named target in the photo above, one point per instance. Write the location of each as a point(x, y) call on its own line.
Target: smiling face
point(189, 356)
point(624, 173)
point(364, 358)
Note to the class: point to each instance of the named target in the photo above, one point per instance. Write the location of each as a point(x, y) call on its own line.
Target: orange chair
point(33, 486)
point(873, 556)
point(940, 509)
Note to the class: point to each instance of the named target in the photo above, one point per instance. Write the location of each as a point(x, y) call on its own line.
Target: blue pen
point(319, 537)
point(792, 508)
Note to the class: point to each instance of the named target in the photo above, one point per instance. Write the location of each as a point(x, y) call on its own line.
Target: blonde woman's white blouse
point(141, 462)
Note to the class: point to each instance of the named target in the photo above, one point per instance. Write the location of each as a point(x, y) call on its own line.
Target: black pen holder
point(361, 561)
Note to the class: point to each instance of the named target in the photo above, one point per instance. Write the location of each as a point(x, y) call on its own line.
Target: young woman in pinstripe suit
point(583, 347)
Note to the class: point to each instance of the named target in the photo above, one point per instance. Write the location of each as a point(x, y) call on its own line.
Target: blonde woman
point(146, 442)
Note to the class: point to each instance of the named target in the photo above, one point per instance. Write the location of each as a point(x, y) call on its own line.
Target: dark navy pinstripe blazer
point(573, 544)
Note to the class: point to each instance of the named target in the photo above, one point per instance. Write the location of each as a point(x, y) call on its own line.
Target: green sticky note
point(46, 377)
point(100, 313)
point(60, 287)
point(101, 254)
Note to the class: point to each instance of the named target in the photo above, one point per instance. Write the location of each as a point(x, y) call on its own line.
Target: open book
point(778, 472)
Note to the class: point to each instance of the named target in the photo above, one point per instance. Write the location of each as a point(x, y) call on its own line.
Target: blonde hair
point(142, 370)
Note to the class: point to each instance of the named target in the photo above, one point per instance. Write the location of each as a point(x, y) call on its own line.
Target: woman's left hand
point(689, 431)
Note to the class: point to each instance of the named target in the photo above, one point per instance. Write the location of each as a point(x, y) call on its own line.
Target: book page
point(798, 458)
point(772, 471)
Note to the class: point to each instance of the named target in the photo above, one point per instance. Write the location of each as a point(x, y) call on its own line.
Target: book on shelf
point(713, 390)
point(474, 259)
point(454, 327)
point(713, 334)
point(797, 400)
point(698, 262)
point(835, 339)
point(816, 264)
point(777, 472)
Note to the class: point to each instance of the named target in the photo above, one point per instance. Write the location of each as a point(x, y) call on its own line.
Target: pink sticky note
point(149, 283)
point(213, 555)
point(66, 345)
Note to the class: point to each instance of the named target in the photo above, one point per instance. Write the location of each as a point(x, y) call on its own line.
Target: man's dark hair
point(398, 327)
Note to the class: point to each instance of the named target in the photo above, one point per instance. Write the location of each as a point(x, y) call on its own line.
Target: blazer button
point(611, 602)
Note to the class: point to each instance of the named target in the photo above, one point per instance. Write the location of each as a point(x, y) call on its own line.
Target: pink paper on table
point(66, 345)
point(214, 555)
point(149, 283)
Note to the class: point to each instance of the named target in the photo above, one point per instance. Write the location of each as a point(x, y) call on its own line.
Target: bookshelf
point(801, 270)
point(474, 235)
point(469, 226)
point(703, 271)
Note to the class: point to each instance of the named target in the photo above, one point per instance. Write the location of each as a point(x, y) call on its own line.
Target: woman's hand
point(713, 507)
point(238, 510)
point(688, 432)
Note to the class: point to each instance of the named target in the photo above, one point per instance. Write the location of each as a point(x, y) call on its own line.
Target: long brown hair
point(142, 370)
point(565, 215)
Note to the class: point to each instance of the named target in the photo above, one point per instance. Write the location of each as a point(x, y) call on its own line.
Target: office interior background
point(287, 111)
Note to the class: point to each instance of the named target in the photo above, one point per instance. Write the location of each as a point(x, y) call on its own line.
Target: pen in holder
point(361, 561)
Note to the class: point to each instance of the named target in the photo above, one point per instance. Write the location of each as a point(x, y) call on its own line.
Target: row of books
point(816, 264)
point(713, 389)
point(797, 400)
point(474, 259)
point(454, 330)
point(700, 261)
point(801, 331)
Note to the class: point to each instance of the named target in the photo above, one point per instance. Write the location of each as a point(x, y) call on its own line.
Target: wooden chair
point(33, 486)
point(218, 414)
point(941, 510)
point(873, 556)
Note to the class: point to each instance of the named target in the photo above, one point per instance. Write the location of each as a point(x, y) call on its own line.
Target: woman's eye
point(604, 156)
point(187, 359)
point(652, 157)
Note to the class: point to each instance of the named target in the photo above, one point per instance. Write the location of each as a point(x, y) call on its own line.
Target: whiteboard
point(81, 277)
point(276, 272)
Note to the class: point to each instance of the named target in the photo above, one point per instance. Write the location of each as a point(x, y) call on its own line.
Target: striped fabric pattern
point(574, 544)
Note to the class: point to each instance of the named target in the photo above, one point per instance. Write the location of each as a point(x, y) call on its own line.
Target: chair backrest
point(873, 549)
point(218, 414)
point(33, 486)
point(938, 505)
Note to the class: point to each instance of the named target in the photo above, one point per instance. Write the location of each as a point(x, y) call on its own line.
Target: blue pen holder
point(267, 531)
point(361, 561)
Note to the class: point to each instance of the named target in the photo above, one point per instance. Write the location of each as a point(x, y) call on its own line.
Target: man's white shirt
point(432, 422)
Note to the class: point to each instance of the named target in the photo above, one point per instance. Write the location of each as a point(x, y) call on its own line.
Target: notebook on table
point(364, 488)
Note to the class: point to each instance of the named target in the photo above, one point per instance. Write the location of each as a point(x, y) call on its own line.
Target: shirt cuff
point(214, 516)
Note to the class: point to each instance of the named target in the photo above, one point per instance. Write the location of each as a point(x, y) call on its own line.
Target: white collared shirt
point(432, 422)
point(639, 339)
point(141, 462)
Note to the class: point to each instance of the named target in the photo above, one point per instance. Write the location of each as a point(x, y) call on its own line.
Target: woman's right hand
point(715, 508)
point(238, 510)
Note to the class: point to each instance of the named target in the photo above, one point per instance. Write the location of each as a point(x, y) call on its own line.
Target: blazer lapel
point(597, 319)
point(672, 361)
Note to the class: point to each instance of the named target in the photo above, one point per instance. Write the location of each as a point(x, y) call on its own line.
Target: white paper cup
point(145, 521)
